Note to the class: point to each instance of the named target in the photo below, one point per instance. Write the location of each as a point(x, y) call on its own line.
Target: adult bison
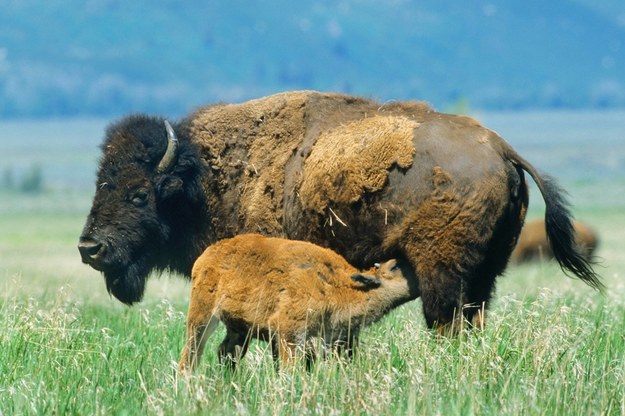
point(441, 193)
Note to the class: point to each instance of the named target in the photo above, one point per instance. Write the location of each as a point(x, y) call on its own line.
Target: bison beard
point(441, 193)
point(128, 284)
point(123, 259)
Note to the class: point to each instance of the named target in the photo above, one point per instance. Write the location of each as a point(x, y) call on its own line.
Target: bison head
point(146, 182)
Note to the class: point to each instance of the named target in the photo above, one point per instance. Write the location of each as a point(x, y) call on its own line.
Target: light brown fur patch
point(251, 144)
point(354, 158)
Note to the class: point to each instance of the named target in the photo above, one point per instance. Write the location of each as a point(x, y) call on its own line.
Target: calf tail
point(558, 224)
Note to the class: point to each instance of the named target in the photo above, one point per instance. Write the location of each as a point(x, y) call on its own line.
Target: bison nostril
point(90, 250)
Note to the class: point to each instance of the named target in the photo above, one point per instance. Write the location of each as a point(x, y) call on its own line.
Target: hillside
point(107, 57)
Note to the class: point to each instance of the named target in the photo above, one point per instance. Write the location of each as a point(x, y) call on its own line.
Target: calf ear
point(366, 281)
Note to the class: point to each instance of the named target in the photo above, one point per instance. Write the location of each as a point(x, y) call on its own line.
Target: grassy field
point(551, 346)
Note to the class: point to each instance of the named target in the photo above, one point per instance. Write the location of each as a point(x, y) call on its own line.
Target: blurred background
point(108, 57)
point(549, 76)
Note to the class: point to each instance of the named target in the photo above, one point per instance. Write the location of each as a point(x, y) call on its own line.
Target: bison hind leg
point(451, 310)
point(443, 302)
point(458, 243)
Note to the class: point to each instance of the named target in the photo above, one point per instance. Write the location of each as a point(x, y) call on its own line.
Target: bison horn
point(169, 158)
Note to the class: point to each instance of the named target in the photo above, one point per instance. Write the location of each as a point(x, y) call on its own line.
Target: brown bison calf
point(286, 292)
point(533, 243)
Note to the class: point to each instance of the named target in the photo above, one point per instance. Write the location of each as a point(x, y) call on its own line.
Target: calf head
point(392, 273)
point(389, 270)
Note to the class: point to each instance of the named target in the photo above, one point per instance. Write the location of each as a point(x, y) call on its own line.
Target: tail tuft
point(561, 234)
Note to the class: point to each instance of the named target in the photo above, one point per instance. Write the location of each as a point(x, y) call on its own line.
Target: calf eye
point(139, 199)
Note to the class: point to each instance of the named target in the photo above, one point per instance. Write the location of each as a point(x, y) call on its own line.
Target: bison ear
point(169, 186)
point(366, 281)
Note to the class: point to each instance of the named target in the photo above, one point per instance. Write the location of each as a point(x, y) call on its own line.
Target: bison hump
point(355, 158)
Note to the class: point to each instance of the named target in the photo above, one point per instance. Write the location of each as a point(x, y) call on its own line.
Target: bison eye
point(139, 198)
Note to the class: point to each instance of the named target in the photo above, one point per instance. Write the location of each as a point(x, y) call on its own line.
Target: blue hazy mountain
point(108, 57)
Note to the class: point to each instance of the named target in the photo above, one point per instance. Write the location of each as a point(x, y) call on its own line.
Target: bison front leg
point(197, 334)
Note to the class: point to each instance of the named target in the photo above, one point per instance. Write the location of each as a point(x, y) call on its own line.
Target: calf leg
point(346, 348)
point(479, 317)
point(286, 352)
point(233, 347)
point(197, 334)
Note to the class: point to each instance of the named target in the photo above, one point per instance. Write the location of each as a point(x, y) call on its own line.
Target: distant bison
point(287, 292)
point(443, 195)
point(534, 245)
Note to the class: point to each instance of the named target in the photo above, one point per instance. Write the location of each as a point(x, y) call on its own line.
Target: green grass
point(551, 345)
point(551, 355)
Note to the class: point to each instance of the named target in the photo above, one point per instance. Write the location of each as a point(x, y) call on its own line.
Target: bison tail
point(559, 226)
point(561, 235)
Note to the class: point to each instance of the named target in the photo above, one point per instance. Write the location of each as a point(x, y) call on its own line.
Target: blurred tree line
point(30, 182)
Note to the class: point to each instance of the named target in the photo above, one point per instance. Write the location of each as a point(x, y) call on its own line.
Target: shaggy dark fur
point(441, 193)
point(141, 220)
